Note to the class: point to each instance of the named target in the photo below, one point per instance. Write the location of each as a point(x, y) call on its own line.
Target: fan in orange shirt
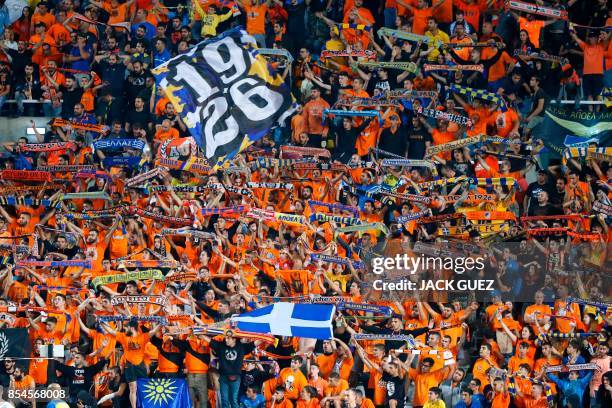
point(421, 13)
point(165, 131)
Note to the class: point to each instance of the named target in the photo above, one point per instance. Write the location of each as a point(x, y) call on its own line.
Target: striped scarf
point(602, 305)
point(166, 219)
point(428, 185)
point(18, 189)
point(470, 198)
point(537, 10)
point(441, 218)
point(385, 337)
point(572, 367)
point(70, 168)
point(147, 274)
point(597, 153)
point(143, 177)
point(365, 307)
point(47, 147)
point(87, 195)
point(329, 206)
point(30, 202)
point(278, 52)
point(362, 228)
point(148, 299)
point(339, 112)
point(94, 214)
point(55, 264)
point(123, 318)
point(357, 101)
point(145, 263)
point(402, 66)
point(455, 144)
point(402, 219)
point(225, 211)
point(301, 151)
point(435, 67)
point(338, 219)
point(407, 197)
point(89, 127)
point(403, 35)
point(478, 93)
point(438, 114)
point(274, 186)
point(493, 181)
point(348, 53)
point(602, 208)
point(410, 94)
point(409, 163)
point(344, 26)
point(179, 188)
point(267, 162)
point(193, 165)
point(25, 175)
point(490, 215)
point(337, 260)
point(480, 228)
point(188, 233)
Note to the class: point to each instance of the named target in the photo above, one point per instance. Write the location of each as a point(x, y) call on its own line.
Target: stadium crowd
point(119, 243)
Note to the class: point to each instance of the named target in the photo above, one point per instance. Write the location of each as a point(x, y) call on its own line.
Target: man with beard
point(71, 95)
point(94, 246)
point(135, 81)
point(22, 382)
point(133, 344)
point(79, 377)
point(313, 116)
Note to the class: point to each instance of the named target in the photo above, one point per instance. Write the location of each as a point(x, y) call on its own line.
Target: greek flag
point(289, 319)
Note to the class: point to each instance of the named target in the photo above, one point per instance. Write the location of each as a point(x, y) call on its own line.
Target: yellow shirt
point(440, 37)
point(438, 404)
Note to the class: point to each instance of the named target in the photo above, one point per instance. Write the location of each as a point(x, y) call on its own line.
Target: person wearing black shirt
point(419, 140)
point(71, 95)
point(219, 315)
point(112, 73)
point(394, 383)
point(543, 207)
point(254, 375)
point(80, 377)
point(27, 86)
point(538, 98)
point(346, 138)
point(230, 354)
point(20, 57)
point(393, 138)
point(135, 81)
point(478, 79)
point(138, 115)
point(534, 189)
point(395, 327)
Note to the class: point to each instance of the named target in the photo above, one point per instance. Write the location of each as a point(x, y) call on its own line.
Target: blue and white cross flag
point(311, 321)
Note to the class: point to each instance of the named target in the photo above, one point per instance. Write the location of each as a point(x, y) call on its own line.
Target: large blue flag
point(225, 94)
point(163, 393)
point(312, 321)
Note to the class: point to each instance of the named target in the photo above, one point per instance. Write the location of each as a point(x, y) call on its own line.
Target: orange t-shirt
point(256, 18)
point(593, 57)
point(133, 347)
point(419, 22)
point(423, 382)
point(48, 19)
point(162, 136)
point(533, 28)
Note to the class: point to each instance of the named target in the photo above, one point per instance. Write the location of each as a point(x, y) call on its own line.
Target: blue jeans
point(50, 111)
point(229, 391)
point(390, 16)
